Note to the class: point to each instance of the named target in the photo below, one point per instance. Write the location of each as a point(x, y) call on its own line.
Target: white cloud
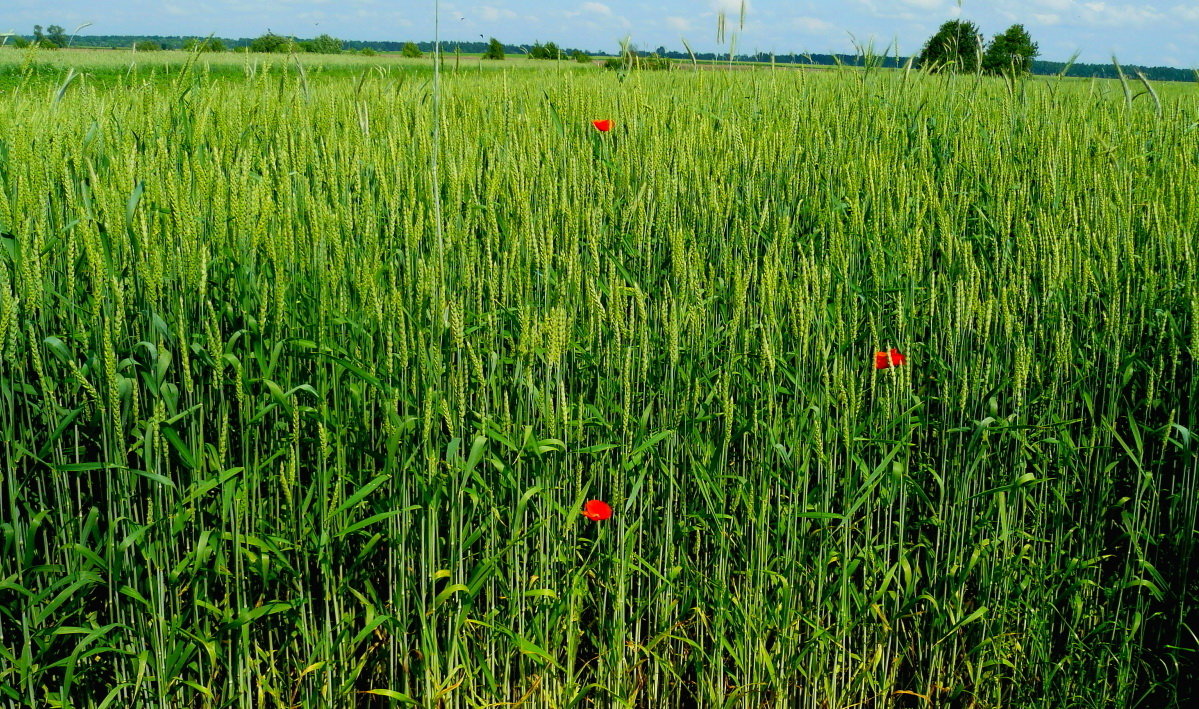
point(1190, 13)
point(679, 24)
point(1103, 13)
point(1049, 19)
point(493, 14)
point(601, 17)
point(910, 10)
point(812, 24)
point(730, 7)
point(597, 8)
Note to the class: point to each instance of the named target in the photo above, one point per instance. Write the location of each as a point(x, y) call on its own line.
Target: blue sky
point(1160, 32)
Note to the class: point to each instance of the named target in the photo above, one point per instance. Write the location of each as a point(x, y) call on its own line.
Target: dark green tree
point(211, 44)
point(325, 45)
point(412, 51)
point(1010, 53)
point(549, 50)
point(57, 36)
point(630, 58)
point(581, 57)
point(39, 37)
point(146, 45)
point(271, 42)
point(495, 50)
point(956, 47)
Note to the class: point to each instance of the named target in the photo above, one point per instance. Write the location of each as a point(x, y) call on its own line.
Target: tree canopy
point(549, 50)
point(271, 42)
point(495, 49)
point(54, 37)
point(210, 44)
point(323, 44)
point(1010, 53)
point(956, 47)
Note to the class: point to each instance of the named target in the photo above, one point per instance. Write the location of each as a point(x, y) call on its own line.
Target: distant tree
point(57, 36)
point(211, 44)
point(955, 48)
point(581, 57)
point(549, 50)
point(324, 45)
point(1010, 53)
point(271, 42)
point(412, 51)
point(495, 50)
point(146, 45)
point(20, 42)
point(368, 52)
point(39, 38)
point(630, 58)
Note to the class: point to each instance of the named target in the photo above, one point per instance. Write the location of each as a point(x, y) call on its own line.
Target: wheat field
point(298, 410)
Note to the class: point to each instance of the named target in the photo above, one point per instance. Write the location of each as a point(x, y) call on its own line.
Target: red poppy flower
point(597, 510)
point(894, 358)
point(602, 126)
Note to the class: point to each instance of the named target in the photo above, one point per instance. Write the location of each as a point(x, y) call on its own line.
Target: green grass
point(270, 437)
point(115, 69)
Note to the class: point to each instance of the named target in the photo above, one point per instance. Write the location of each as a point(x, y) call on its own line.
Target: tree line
point(938, 53)
point(958, 47)
point(55, 37)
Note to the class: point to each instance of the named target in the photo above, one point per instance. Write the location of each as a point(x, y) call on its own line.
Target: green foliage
point(549, 50)
point(631, 59)
point(20, 42)
point(495, 49)
point(956, 47)
point(207, 44)
point(411, 51)
point(57, 36)
point(1010, 52)
point(272, 43)
point(276, 432)
point(368, 52)
point(146, 45)
point(54, 37)
point(324, 44)
point(581, 56)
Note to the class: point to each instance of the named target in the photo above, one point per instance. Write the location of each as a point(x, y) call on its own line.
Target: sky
point(1155, 33)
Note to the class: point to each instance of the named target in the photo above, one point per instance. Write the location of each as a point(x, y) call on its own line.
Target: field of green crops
point(298, 411)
